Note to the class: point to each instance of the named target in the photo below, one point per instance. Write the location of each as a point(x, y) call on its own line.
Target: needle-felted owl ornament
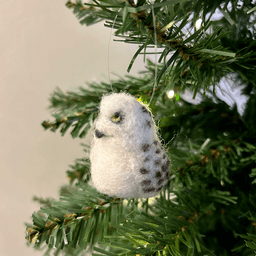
point(126, 156)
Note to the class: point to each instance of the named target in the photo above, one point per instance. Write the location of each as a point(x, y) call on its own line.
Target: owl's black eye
point(117, 118)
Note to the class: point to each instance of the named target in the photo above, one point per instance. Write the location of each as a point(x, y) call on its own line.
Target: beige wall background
point(42, 46)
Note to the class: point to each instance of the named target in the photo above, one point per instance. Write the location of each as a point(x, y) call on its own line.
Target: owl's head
point(122, 115)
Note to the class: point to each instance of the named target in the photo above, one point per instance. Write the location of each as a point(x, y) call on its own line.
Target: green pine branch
point(202, 57)
point(80, 171)
point(76, 220)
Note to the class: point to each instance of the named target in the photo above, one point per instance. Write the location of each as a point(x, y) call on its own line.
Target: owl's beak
point(99, 134)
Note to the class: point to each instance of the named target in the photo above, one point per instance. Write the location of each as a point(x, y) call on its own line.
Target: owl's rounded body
point(127, 159)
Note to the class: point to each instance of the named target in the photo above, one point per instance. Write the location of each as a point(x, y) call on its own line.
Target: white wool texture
point(127, 159)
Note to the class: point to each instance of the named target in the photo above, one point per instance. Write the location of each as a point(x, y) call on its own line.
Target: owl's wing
point(151, 169)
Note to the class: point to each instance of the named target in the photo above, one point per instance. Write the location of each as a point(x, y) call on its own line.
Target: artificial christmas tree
point(208, 204)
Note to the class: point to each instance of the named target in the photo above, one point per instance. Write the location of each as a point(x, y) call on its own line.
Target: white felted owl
point(127, 159)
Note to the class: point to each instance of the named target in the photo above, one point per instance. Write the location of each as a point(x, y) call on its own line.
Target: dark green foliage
point(202, 58)
point(208, 206)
